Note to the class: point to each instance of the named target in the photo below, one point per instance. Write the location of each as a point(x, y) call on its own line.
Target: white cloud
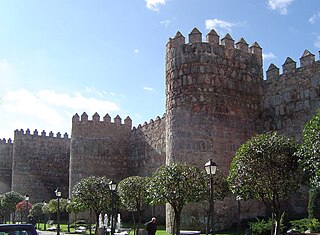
point(165, 23)
point(51, 109)
point(314, 17)
point(221, 26)
point(147, 88)
point(268, 56)
point(280, 5)
point(317, 42)
point(136, 51)
point(216, 23)
point(154, 4)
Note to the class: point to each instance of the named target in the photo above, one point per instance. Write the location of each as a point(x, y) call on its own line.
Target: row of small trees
point(269, 167)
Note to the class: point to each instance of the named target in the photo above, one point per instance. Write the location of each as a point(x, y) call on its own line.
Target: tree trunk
point(97, 223)
point(177, 217)
point(311, 202)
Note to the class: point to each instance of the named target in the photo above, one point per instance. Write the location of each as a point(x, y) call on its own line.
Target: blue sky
point(61, 57)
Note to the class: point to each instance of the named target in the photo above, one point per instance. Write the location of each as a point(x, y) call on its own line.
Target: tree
point(10, 200)
point(53, 205)
point(265, 168)
point(309, 157)
point(134, 196)
point(94, 194)
point(176, 184)
point(37, 212)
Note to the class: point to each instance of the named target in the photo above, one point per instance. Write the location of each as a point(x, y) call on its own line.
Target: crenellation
point(227, 41)
point(289, 65)
point(117, 120)
point(107, 119)
point(195, 36)
point(75, 118)
point(84, 117)
point(307, 59)
point(272, 72)
point(96, 117)
point(35, 132)
point(242, 45)
point(59, 135)
point(213, 38)
point(128, 122)
point(257, 51)
point(65, 136)
point(43, 133)
point(51, 134)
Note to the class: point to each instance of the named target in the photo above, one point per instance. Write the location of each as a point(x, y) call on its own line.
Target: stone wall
point(40, 164)
point(292, 98)
point(99, 148)
point(213, 100)
point(6, 153)
point(147, 147)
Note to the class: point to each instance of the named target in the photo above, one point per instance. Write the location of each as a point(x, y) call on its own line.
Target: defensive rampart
point(99, 148)
point(40, 164)
point(6, 153)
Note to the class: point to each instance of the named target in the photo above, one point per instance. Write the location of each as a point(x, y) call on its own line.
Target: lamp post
point(112, 187)
point(58, 195)
point(238, 199)
point(211, 168)
point(45, 215)
point(68, 201)
point(27, 212)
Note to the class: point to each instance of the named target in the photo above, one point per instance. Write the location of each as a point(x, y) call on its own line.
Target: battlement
point(21, 133)
point(152, 123)
point(76, 120)
point(307, 60)
point(4, 141)
point(227, 44)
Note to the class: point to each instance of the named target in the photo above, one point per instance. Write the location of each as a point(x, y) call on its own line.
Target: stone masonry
point(216, 99)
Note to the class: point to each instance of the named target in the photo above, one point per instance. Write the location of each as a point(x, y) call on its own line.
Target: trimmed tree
point(10, 200)
point(309, 157)
point(177, 184)
point(134, 196)
point(265, 168)
point(93, 193)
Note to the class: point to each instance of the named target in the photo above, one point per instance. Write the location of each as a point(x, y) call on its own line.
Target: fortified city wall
point(40, 164)
point(216, 99)
point(6, 153)
point(147, 147)
point(99, 148)
point(290, 99)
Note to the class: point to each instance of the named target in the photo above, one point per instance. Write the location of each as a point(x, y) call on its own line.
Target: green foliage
point(37, 212)
point(177, 184)
point(93, 193)
point(261, 227)
point(265, 168)
point(309, 151)
point(10, 200)
point(306, 224)
point(133, 193)
point(53, 205)
point(220, 186)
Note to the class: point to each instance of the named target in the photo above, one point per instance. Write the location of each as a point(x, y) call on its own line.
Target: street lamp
point(58, 195)
point(44, 215)
point(238, 199)
point(27, 201)
point(68, 201)
point(211, 168)
point(112, 187)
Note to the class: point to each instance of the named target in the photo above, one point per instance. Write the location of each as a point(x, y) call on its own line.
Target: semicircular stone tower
point(213, 97)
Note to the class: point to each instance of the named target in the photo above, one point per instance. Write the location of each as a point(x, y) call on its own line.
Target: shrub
point(261, 227)
point(303, 225)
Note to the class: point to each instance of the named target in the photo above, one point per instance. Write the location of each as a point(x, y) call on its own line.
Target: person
point(152, 226)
